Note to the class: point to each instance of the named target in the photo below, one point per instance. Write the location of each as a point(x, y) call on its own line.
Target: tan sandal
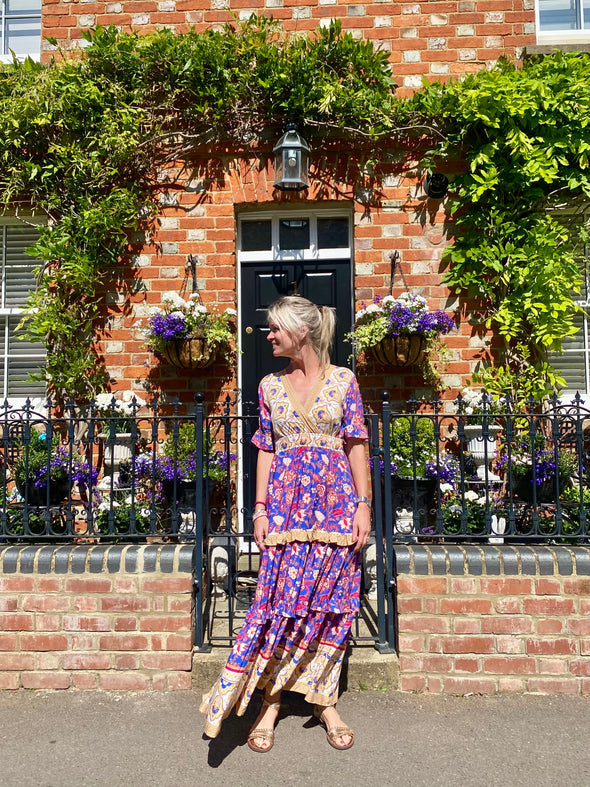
point(333, 733)
point(263, 733)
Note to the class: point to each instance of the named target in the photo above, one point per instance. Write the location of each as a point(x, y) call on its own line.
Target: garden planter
point(480, 451)
point(400, 350)
point(37, 496)
point(404, 502)
point(186, 493)
point(192, 353)
point(523, 487)
point(116, 451)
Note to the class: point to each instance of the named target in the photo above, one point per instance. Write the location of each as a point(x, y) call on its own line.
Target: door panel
point(327, 283)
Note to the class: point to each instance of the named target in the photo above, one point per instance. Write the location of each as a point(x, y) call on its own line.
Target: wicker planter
point(400, 350)
point(192, 353)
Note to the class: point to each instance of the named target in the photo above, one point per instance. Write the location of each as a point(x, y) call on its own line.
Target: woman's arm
point(361, 524)
point(262, 473)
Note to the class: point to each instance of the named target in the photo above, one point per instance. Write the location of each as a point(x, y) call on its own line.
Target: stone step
point(364, 669)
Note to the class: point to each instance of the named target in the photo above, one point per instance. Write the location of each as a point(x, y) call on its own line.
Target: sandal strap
point(338, 732)
point(263, 733)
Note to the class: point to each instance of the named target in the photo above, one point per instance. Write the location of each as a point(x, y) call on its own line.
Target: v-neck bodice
point(321, 415)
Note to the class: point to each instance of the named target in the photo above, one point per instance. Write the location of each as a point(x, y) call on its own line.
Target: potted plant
point(416, 468)
point(175, 473)
point(117, 413)
point(187, 334)
point(399, 331)
point(480, 410)
point(45, 472)
point(468, 515)
point(531, 472)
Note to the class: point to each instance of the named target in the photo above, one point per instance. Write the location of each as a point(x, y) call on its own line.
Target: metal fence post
point(390, 584)
point(200, 568)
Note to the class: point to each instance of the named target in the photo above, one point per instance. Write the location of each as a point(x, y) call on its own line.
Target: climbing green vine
point(524, 134)
point(83, 142)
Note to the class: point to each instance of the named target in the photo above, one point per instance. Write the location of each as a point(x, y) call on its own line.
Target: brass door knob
point(249, 329)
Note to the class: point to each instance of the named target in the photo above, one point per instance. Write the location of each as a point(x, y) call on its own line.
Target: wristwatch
point(362, 499)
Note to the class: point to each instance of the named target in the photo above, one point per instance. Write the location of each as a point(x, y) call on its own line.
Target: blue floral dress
point(297, 629)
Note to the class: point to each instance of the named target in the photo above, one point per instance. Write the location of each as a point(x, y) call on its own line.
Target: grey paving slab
point(91, 739)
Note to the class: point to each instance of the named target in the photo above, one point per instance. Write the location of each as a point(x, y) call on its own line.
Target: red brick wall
point(66, 622)
point(435, 39)
point(432, 38)
point(509, 621)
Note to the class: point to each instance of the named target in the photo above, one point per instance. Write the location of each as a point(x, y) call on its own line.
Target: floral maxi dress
point(297, 629)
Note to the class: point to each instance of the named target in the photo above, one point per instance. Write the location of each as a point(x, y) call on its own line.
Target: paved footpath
point(154, 740)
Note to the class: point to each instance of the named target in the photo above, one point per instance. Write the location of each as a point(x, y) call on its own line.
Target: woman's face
point(284, 344)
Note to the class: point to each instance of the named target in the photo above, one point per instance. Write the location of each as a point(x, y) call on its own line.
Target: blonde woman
point(311, 520)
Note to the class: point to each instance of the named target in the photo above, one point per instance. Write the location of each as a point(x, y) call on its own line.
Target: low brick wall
point(85, 617)
point(472, 619)
point(494, 619)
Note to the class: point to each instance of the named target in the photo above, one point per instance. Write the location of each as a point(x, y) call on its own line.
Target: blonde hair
point(292, 313)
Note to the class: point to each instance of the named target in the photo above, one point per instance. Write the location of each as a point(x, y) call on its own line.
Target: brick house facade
point(200, 214)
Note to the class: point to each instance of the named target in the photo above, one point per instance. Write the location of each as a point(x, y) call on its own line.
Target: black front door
point(325, 282)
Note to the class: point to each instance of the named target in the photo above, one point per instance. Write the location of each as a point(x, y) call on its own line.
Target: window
point(562, 21)
point(574, 364)
point(17, 358)
point(21, 29)
point(301, 234)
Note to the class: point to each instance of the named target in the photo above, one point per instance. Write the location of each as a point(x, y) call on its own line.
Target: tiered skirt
point(295, 634)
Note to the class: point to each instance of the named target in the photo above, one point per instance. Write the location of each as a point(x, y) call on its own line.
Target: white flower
point(174, 299)
point(471, 495)
point(481, 501)
point(231, 312)
point(388, 299)
point(372, 308)
point(446, 488)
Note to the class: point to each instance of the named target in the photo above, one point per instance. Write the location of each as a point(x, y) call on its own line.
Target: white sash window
point(574, 364)
point(20, 28)
point(17, 358)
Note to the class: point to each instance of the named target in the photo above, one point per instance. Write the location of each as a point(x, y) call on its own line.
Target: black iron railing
point(439, 474)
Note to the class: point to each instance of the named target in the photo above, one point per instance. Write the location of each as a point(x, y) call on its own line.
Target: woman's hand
point(361, 526)
point(261, 531)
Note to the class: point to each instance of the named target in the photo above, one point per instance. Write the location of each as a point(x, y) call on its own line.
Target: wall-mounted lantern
point(291, 161)
point(436, 185)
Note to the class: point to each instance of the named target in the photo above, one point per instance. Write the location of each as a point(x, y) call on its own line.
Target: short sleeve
point(353, 418)
point(263, 437)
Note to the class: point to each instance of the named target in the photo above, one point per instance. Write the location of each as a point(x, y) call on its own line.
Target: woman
point(311, 520)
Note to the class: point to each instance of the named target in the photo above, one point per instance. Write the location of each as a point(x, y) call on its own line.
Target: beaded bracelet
point(257, 514)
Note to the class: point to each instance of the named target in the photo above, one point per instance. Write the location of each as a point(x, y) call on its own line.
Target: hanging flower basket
point(400, 350)
point(187, 335)
point(191, 353)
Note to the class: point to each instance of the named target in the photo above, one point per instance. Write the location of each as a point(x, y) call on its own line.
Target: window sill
point(8, 58)
point(547, 49)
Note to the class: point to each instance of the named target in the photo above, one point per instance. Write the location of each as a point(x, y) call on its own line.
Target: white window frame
point(584, 302)
point(579, 36)
point(4, 17)
point(275, 254)
point(37, 398)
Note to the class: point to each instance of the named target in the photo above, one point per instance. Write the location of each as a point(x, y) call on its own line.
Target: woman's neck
point(305, 363)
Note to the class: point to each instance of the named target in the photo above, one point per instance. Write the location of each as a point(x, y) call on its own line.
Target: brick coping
point(425, 559)
point(488, 559)
point(97, 558)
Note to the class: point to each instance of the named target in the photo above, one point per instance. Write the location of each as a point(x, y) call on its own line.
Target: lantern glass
point(291, 161)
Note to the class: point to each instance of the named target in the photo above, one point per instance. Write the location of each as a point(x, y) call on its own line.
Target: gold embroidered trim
point(313, 439)
point(298, 534)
